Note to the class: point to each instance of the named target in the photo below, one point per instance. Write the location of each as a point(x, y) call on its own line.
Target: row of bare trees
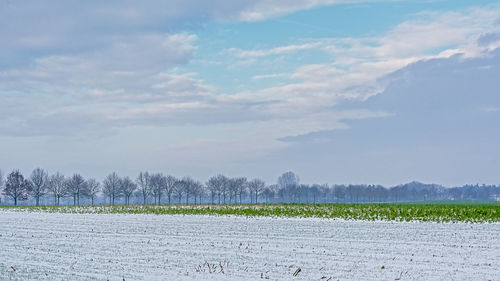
point(147, 185)
point(158, 188)
point(40, 184)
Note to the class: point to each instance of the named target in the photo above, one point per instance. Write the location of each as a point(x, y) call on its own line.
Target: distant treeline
point(156, 188)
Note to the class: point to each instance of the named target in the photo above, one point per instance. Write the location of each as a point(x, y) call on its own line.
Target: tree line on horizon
point(157, 188)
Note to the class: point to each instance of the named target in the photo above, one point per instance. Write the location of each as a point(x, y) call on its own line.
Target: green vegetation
point(419, 211)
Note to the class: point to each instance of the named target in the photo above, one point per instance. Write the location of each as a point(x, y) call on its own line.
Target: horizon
point(268, 183)
point(339, 92)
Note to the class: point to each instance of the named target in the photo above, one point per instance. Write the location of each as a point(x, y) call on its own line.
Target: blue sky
point(338, 91)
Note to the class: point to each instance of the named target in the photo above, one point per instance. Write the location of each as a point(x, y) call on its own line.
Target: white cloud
point(92, 85)
point(357, 64)
point(268, 76)
point(68, 26)
point(251, 54)
point(260, 10)
point(128, 62)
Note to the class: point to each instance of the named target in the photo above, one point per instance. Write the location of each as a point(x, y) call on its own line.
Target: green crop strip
point(473, 212)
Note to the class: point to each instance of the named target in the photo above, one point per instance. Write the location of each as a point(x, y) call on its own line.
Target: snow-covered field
point(42, 246)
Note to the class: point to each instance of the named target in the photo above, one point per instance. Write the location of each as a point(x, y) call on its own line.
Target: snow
point(54, 246)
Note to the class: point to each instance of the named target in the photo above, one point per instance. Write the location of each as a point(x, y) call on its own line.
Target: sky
point(338, 91)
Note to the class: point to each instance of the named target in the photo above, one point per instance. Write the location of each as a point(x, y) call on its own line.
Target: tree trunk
point(15, 201)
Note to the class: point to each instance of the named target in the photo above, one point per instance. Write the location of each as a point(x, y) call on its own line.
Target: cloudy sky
point(338, 91)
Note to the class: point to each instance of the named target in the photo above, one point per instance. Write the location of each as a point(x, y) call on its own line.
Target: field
point(422, 212)
point(65, 246)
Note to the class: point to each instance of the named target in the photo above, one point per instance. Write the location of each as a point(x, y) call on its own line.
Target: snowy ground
point(42, 246)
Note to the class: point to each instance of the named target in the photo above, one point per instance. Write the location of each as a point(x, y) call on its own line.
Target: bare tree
point(178, 190)
point(188, 184)
point(127, 188)
point(92, 188)
point(242, 186)
point(169, 186)
point(39, 182)
point(269, 192)
point(57, 187)
point(74, 186)
point(144, 184)
point(17, 187)
point(287, 179)
point(289, 183)
point(197, 190)
point(324, 190)
point(224, 187)
point(157, 186)
point(213, 185)
point(256, 186)
point(111, 187)
point(201, 190)
point(232, 189)
point(339, 192)
point(315, 192)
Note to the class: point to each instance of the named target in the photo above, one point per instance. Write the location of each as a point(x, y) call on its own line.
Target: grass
point(445, 211)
